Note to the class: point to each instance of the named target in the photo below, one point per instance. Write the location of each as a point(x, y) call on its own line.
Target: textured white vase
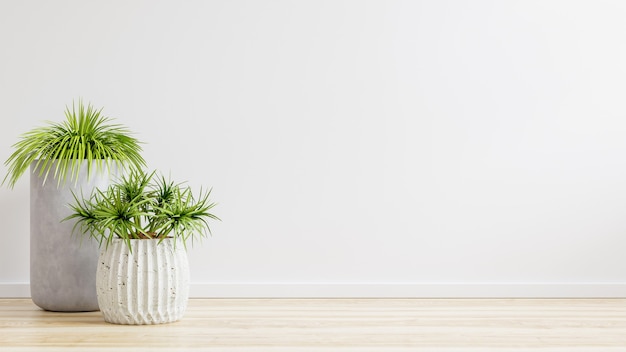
point(149, 285)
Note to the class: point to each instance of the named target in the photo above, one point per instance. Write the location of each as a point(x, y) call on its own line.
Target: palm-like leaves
point(136, 207)
point(86, 135)
point(184, 215)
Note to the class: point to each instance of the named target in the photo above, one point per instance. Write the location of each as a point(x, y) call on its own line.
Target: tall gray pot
point(62, 265)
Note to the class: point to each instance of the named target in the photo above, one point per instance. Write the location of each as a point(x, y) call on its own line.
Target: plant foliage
point(86, 135)
point(143, 206)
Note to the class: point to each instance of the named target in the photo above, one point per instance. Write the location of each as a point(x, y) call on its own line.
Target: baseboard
point(383, 290)
point(14, 290)
point(409, 290)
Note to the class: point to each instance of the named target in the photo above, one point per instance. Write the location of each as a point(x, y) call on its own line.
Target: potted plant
point(143, 224)
point(76, 155)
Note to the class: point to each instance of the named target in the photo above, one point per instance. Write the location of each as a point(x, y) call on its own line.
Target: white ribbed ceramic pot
point(148, 285)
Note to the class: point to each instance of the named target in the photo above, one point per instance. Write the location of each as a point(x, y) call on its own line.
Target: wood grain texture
point(254, 325)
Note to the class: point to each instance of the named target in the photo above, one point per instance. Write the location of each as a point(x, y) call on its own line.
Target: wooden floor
point(255, 325)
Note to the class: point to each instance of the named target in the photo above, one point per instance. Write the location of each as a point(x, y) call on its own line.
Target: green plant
point(138, 207)
point(86, 135)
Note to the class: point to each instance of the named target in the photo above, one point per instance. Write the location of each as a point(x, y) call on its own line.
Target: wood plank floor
point(255, 325)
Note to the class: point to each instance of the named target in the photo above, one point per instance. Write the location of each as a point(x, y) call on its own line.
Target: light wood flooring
point(295, 325)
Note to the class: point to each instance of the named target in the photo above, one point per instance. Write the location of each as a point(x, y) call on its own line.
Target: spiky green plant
point(85, 136)
point(137, 206)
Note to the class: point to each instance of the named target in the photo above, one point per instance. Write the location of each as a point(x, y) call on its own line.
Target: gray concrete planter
point(62, 265)
point(148, 285)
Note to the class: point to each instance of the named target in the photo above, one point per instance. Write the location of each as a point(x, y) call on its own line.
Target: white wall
point(356, 148)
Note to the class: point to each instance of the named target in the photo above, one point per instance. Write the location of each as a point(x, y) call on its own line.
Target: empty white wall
point(356, 148)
